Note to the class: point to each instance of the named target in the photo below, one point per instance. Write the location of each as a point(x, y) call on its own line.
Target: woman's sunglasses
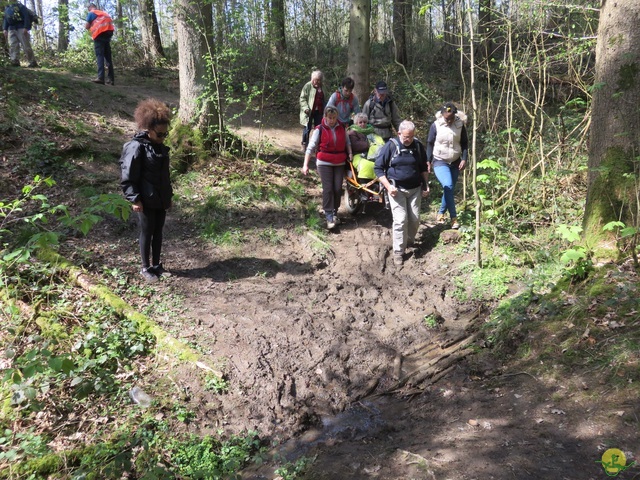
point(161, 134)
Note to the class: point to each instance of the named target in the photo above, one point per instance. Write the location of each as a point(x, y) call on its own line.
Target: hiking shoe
point(331, 224)
point(455, 224)
point(159, 271)
point(97, 80)
point(441, 218)
point(398, 259)
point(111, 82)
point(33, 65)
point(148, 275)
point(336, 219)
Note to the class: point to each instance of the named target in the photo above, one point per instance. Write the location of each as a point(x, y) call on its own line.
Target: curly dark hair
point(151, 113)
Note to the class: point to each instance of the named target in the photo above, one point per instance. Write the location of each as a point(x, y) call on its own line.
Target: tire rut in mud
point(313, 334)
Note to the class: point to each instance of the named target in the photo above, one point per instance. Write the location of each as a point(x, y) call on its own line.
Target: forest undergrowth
point(70, 356)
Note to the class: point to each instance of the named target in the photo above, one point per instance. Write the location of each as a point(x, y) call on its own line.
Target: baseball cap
point(381, 86)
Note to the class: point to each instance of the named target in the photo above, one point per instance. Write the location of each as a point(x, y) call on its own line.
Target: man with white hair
point(401, 166)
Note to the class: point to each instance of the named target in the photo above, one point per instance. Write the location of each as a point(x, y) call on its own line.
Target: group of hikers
point(337, 131)
point(18, 21)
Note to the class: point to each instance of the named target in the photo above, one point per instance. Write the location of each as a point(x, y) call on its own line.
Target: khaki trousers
point(16, 39)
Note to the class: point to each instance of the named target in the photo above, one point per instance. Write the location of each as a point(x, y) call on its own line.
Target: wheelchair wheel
point(352, 200)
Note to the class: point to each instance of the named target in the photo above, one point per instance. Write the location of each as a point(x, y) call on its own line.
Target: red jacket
point(333, 144)
point(101, 24)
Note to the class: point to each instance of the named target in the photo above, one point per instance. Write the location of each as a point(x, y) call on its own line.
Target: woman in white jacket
point(447, 153)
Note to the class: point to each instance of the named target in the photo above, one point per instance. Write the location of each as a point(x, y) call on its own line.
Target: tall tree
point(63, 25)
point(40, 37)
point(401, 10)
point(276, 26)
point(198, 81)
point(151, 42)
point(485, 30)
point(119, 20)
point(358, 54)
point(614, 151)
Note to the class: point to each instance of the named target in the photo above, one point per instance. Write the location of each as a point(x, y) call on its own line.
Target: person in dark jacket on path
point(146, 180)
point(17, 25)
point(401, 166)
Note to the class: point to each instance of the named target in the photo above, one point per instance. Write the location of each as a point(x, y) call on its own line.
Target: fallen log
point(433, 364)
point(164, 340)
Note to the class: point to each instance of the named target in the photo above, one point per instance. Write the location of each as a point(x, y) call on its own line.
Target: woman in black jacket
point(146, 180)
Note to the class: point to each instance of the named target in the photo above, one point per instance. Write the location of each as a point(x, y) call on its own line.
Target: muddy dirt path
point(312, 336)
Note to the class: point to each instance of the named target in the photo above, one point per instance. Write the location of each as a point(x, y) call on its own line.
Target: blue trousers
point(447, 175)
point(102, 47)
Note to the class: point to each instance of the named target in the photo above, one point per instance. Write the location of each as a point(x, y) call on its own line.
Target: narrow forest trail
point(325, 346)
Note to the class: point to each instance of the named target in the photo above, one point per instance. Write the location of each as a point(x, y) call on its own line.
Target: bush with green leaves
point(210, 458)
point(30, 222)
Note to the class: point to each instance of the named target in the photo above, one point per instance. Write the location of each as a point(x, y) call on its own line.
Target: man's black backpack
point(13, 15)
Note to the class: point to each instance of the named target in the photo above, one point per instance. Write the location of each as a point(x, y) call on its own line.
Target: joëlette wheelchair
point(362, 186)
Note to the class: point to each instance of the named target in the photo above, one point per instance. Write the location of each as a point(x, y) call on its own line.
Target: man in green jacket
point(312, 103)
point(382, 111)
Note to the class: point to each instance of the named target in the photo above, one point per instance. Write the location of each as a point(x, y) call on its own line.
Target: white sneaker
point(331, 221)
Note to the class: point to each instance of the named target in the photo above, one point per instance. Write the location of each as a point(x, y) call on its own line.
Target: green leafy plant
point(577, 260)
point(431, 321)
point(216, 384)
point(211, 458)
point(295, 470)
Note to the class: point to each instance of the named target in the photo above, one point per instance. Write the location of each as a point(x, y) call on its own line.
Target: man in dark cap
point(382, 112)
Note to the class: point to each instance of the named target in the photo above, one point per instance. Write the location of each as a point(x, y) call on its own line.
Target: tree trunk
point(63, 25)
point(120, 30)
point(485, 31)
point(615, 122)
point(474, 136)
point(399, 30)
point(151, 42)
point(358, 55)
point(199, 96)
point(276, 26)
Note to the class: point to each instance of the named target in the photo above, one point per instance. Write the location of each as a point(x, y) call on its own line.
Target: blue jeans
point(448, 176)
point(102, 47)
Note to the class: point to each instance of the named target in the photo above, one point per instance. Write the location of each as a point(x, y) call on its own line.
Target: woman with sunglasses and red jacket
point(146, 181)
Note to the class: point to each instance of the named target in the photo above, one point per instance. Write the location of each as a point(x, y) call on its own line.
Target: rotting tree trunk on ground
point(615, 144)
